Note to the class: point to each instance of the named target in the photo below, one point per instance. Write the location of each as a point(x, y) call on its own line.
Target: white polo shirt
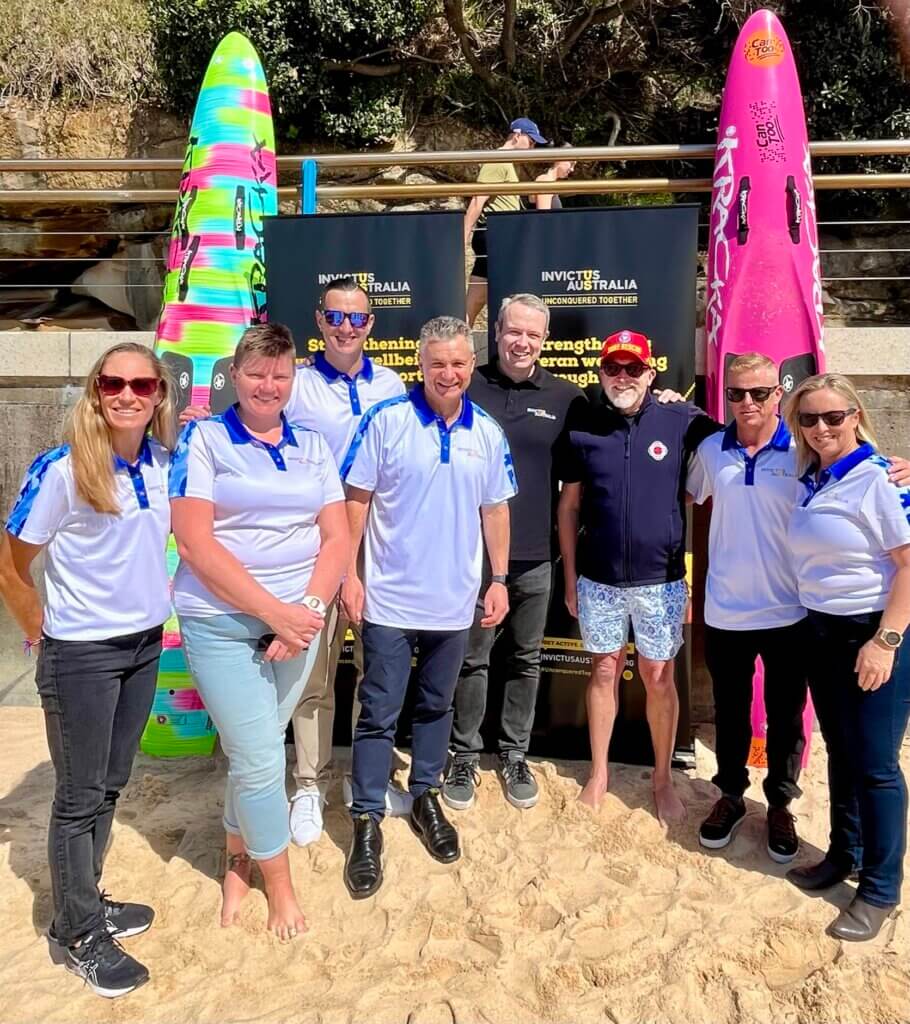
point(841, 535)
point(751, 583)
point(423, 544)
point(327, 400)
point(267, 498)
point(106, 575)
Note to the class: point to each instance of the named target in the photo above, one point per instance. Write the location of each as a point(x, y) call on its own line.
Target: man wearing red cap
point(624, 466)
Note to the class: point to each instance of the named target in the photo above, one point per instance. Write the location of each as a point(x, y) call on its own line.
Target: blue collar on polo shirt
point(780, 442)
point(321, 363)
point(427, 415)
point(239, 434)
point(837, 470)
point(135, 471)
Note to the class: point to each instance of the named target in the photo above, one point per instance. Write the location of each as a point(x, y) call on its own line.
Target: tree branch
point(596, 14)
point(507, 40)
point(355, 67)
point(454, 13)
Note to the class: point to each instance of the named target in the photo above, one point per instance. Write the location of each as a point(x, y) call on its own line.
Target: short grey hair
point(525, 299)
point(443, 328)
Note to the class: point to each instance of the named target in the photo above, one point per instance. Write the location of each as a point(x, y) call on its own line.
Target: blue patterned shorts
point(657, 613)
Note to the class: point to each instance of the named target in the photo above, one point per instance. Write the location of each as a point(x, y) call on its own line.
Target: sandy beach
point(551, 915)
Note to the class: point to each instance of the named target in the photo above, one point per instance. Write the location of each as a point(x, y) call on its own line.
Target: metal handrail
point(447, 190)
point(698, 151)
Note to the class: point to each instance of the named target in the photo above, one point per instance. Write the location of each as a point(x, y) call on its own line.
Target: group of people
point(327, 498)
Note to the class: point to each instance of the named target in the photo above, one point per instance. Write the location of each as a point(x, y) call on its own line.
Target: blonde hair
point(837, 382)
point(89, 436)
point(751, 361)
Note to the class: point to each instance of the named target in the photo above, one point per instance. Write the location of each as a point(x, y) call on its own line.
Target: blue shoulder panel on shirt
point(30, 487)
point(365, 421)
point(176, 487)
point(507, 451)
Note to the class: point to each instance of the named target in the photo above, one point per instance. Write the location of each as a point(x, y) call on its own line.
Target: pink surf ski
point(764, 288)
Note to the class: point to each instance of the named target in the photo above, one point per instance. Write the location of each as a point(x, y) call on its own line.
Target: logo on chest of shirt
point(658, 451)
point(541, 414)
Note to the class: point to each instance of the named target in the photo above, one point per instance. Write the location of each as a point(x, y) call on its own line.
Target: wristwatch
point(889, 638)
point(316, 603)
point(499, 579)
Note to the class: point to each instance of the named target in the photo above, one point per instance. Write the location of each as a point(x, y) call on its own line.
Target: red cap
point(630, 343)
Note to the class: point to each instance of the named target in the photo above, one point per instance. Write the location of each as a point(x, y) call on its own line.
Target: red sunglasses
point(142, 387)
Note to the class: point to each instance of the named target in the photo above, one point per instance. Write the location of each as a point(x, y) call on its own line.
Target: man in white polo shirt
point(331, 395)
point(429, 477)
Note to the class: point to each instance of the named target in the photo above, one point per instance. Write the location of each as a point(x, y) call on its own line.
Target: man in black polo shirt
point(624, 468)
point(531, 406)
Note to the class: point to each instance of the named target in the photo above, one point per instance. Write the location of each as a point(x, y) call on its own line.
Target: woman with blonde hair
point(98, 507)
point(850, 539)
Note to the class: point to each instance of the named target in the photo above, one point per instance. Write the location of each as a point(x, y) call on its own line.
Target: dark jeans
point(522, 636)
point(96, 695)
point(387, 653)
point(730, 656)
point(863, 731)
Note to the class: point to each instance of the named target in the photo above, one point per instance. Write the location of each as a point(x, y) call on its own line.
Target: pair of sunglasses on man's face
point(759, 395)
point(634, 370)
point(142, 387)
point(335, 318)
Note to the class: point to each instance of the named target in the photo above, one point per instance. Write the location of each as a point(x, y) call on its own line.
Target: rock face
point(51, 246)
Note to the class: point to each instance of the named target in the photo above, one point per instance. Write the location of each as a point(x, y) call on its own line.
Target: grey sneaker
point(518, 782)
point(460, 783)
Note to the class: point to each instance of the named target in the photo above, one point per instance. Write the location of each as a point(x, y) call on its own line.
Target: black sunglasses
point(634, 370)
point(759, 395)
point(335, 318)
point(831, 419)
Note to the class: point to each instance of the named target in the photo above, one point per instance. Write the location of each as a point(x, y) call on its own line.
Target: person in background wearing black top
point(531, 405)
point(624, 471)
point(557, 171)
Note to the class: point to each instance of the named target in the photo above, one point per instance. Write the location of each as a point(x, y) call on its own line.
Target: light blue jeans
point(251, 701)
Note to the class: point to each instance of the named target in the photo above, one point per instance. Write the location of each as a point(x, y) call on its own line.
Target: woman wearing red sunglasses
point(98, 508)
point(850, 540)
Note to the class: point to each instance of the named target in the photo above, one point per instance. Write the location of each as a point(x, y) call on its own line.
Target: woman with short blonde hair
point(98, 507)
point(850, 540)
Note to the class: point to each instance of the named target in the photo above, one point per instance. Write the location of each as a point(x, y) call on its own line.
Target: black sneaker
point(518, 782)
point(105, 966)
point(125, 920)
point(783, 842)
point(460, 782)
point(717, 829)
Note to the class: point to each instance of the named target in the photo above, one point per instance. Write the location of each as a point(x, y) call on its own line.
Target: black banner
point(411, 264)
point(600, 270)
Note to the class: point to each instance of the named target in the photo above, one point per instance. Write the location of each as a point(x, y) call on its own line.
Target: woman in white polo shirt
point(98, 507)
point(259, 516)
point(850, 540)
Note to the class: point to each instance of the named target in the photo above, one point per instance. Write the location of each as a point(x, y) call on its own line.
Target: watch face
point(892, 637)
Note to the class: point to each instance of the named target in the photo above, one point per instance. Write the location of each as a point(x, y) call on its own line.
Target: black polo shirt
point(532, 413)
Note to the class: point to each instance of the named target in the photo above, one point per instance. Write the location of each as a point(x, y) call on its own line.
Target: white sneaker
point(398, 802)
point(306, 816)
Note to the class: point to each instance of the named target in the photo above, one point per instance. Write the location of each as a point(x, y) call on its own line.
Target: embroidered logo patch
point(657, 450)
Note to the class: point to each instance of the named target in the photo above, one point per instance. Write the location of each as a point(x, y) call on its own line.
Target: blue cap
point(527, 127)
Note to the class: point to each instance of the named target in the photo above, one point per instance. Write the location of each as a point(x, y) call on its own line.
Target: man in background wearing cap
point(523, 134)
point(624, 466)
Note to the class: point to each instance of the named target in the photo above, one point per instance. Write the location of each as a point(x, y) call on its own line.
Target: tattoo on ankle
point(236, 860)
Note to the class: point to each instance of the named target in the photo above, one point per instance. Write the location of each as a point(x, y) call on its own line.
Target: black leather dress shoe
point(818, 876)
point(363, 870)
point(437, 835)
point(860, 921)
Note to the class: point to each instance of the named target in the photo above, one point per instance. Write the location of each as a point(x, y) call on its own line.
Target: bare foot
point(595, 789)
point(286, 919)
point(236, 885)
point(670, 809)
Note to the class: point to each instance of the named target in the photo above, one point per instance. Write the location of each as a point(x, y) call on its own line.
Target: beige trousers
point(315, 714)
